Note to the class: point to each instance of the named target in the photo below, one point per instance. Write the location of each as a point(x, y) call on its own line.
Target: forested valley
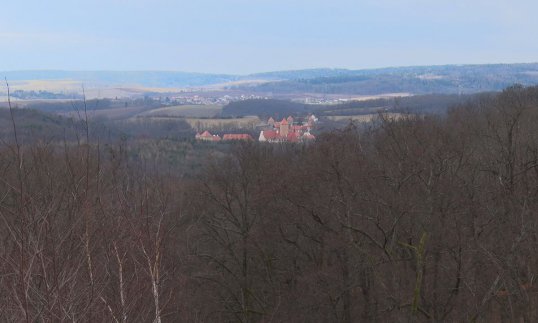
point(427, 218)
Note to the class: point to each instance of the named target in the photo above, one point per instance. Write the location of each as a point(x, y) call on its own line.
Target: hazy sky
point(244, 36)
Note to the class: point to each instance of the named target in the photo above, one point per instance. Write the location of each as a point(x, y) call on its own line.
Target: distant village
point(286, 130)
point(201, 97)
point(195, 99)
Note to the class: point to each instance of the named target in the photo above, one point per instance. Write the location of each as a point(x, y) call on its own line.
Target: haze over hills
point(116, 78)
point(413, 79)
point(450, 79)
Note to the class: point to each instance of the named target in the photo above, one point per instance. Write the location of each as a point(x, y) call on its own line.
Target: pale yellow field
point(201, 124)
point(239, 123)
point(237, 83)
point(93, 91)
point(47, 85)
point(187, 111)
point(363, 118)
point(115, 114)
point(379, 96)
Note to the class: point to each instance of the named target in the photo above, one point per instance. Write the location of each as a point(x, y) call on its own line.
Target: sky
point(248, 36)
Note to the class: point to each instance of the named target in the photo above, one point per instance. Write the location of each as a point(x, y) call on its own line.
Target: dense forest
point(427, 218)
point(265, 108)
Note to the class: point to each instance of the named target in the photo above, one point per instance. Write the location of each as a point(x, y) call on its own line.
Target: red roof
point(284, 122)
point(207, 136)
point(292, 137)
point(240, 136)
point(270, 134)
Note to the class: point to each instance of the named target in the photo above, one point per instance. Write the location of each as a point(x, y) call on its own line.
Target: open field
point(363, 118)
point(378, 96)
point(200, 124)
point(183, 111)
point(114, 113)
point(92, 90)
point(46, 85)
point(187, 111)
point(248, 122)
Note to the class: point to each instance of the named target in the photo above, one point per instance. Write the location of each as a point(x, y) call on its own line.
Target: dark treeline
point(423, 219)
point(265, 108)
point(430, 104)
point(33, 125)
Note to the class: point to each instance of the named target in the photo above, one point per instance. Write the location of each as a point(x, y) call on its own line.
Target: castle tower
point(284, 128)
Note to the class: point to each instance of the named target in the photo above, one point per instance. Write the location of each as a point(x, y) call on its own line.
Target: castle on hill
point(288, 130)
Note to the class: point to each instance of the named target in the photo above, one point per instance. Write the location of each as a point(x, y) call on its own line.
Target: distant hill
point(301, 74)
point(456, 79)
point(449, 79)
point(143, 78)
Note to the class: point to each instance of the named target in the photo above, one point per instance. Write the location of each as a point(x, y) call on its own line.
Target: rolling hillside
point(449, 79)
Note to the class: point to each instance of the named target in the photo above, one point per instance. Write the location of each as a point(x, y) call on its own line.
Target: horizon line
point(265, 72)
